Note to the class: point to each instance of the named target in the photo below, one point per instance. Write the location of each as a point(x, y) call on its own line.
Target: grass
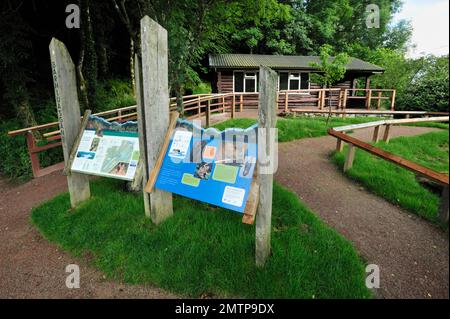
point(440, 125)
point(396, 184)
point(203, 250)
point(290, 129)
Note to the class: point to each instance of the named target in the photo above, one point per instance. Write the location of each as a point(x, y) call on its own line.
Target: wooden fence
point(204, 105)
point(341, 136)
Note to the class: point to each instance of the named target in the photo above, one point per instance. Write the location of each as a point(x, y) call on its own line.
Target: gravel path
point(412, 254)
point(31, 267)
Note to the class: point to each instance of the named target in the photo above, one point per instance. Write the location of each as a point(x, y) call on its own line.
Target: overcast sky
point(430, 20)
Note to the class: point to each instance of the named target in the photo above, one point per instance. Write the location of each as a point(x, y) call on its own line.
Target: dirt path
point(413, 255)
point(31, 267)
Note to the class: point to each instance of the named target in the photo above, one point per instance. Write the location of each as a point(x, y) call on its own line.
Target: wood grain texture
point(156, 106)
point(68, 109)
point(141, 130)
point(252, 204)
point(149, 188)
point(267, 120)
point(73, 152)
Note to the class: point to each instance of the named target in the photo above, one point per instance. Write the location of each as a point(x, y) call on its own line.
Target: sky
point(430, 22)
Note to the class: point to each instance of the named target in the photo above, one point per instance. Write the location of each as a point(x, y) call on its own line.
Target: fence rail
point(341, 136)
point(203, 105)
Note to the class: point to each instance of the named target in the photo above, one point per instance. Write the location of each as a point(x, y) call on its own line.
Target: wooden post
point(266, 146)
point(199, 107)
point(379, 100)
point(349, 157)
point(376, 134)
point(241, 101)
point(223, 104)
point(394, 92)
point(387, 135)
point(340, 100)
point(68, 109)
point(443, 206)
point(34, 157)
point(286, 101)
point(208, 113)
point(141, 130)
point(339, 145)
point(344, 103)
point(319, 100)
point(369, 99)
point(155, 111)
point(323, 97)
point(233, 104)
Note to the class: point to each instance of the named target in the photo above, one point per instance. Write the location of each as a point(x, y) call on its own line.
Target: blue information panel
point(210, 166)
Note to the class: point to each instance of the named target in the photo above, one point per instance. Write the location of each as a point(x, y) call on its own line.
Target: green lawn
point(290, 129)
point(397, 184)
point(205, 250)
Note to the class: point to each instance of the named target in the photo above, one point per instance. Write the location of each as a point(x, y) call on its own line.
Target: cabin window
point(284, 80)
point(246, 82)
point(293, 80)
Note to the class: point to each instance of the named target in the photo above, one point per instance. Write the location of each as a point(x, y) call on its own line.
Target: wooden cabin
point(238, 73)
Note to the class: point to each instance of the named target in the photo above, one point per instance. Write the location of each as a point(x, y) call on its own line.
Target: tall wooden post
point(266, 146)
point(208, 112)
point(155, 106)
point(68, 108)
point(233, 106)
point(394, 92)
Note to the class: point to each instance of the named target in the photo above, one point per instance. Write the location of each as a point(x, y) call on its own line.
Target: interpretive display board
point(108, 149)
point(210, 166)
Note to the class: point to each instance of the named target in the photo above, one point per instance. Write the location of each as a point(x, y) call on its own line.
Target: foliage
point(203, 250)
point(15, 161)
point(428, 89)
point(397, 184)
point(114, 93)
point(331, 70)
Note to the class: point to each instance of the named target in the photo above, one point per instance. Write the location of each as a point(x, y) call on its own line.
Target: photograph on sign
point(108, 149)
point(210, 166)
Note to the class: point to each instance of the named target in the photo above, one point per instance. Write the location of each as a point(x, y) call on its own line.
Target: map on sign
point(108, 149)
point(210, 166)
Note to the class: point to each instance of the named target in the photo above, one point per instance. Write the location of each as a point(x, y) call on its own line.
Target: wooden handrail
point(390, 122)
point(414, 167)
point(48, 125)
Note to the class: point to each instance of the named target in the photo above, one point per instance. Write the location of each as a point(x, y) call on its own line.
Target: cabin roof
point(300, 62)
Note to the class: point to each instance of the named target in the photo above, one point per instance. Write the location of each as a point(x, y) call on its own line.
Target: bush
point(113, 94)
point(428, 90)
point(15, 161)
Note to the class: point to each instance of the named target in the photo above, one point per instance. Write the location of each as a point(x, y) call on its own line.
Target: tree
point(331, 70)
point(15, 49)
point(429, 87)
